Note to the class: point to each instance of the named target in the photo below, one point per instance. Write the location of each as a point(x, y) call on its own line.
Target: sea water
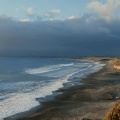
point(22, 80)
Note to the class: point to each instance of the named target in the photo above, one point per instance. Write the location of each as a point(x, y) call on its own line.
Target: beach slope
point(88, 101)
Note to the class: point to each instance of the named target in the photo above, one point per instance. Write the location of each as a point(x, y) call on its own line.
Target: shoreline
point(88, 96)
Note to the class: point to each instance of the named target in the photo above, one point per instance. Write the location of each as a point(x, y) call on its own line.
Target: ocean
point(23, 80)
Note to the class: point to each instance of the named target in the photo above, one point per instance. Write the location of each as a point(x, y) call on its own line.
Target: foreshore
point(88, 101)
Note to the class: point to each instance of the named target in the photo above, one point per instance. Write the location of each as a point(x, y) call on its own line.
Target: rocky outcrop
point(115, 63)
point(117, 67)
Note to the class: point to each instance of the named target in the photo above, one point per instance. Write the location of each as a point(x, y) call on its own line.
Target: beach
point(88, 101)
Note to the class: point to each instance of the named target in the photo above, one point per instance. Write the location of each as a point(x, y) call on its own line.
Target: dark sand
point(88, 101)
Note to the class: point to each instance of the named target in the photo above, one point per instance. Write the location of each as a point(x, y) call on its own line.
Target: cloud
point(59, 38)
point(24, 20)
point(105, 10)
point(51, 14)
point(73, 17)
point(55, 11)
point(29, 11)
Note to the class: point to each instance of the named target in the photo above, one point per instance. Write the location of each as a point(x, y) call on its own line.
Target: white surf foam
point(46, 69)
point(21, 102)
point(25, 101)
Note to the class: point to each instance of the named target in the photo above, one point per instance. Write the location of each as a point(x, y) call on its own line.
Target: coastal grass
point(114, 112)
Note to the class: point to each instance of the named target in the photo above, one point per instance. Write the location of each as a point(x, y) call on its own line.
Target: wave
point(47, 68)
point(62, 73)
point(22, 102)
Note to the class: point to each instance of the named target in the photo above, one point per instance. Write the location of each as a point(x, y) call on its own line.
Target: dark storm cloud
point(80, 37)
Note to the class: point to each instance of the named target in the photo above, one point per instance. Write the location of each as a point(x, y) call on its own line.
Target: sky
point(30, 9)
point(59, 28)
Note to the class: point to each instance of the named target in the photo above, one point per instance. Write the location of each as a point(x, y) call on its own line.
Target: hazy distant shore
point(90, 100)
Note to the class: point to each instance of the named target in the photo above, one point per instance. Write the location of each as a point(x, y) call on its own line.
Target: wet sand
point(89, 101)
